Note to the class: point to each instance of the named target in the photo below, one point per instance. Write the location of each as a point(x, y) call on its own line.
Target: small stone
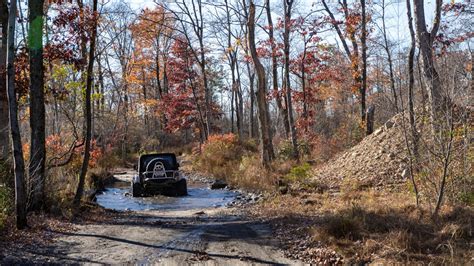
point(405, 173)
point(309, 202)
point(218, 184)
point(378, 131)
point(389, 124)
point(283, 189)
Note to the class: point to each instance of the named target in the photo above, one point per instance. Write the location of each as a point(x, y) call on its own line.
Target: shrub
point(220, 156)
point(6, 192)
point(109, 161)
point(285, 149)
point(252, 175)
point(343, 226)
point(5, 204)
point(299, 173)
point(98, 178)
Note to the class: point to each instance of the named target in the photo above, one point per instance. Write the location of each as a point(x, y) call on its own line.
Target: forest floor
point(210, 236)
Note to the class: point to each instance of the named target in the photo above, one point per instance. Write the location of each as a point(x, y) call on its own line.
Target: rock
point(199, 213)
point(378, 131)
point(309, 202)
point(218, 184)
point(391, 155)
point(283, 189)
point(389, 124)
point(405, 174)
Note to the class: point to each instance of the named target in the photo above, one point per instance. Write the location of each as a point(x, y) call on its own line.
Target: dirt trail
point(177, 238)
point(211, 236)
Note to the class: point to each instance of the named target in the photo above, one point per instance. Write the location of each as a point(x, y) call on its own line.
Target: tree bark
point(240, 107)
point(232, 58)
point(288, 4)
point(276, 92)
point(19, 164)
point(389, 59)
point(267, 154)
point(4, 138)
point(425, 43)
point(363, 87)
point(370, 119)
point(88, 115)
point(37, 108)
point(411, 108)
point(252, 102)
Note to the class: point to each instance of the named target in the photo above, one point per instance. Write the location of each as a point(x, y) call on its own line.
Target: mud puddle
point(199, 197)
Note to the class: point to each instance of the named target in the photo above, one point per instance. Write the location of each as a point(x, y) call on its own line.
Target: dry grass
point(369, 225)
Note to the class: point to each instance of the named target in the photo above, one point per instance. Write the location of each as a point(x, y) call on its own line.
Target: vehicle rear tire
point(181, 188)
point(137, 190)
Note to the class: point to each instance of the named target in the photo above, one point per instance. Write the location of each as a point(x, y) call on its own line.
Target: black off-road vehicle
point(158, 174)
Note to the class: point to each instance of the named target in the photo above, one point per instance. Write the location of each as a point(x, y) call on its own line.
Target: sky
point(395, 13)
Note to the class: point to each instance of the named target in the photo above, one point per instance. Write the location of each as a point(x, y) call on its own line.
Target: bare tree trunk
point(232, 58)
point(240, 96)
point(276, 92)
point(4, 139)
point(363, 88)
point(202, 63)
point(425, 42)
point(235, 90)
point(252, 102)
point(389, 59)
point(411, 108)
point(267, 154)
point(232, 110)
point(19, 164)
point(288, 4)
point(88, 115)
point(145, 98)
point(446, 162)
point(37, 108)
point(240, 107)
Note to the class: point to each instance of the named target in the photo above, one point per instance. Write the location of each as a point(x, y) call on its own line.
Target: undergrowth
point(237, 162)
point(6, 192)
point(367, 225)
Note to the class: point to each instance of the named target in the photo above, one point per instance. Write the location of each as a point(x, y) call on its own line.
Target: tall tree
point(37, 107)
point(4, 139)
point(267, 154)
point(276, 92)
point(232, 53)
point(288, 5)
point(352, 54)
point(389, 56)
point(411, 108)
point(363, 88)
point(425, 39)
point(194, 18)
point(19, 164)
point(88, 114)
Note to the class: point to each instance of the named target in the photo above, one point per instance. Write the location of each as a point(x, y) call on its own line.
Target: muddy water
point(199, 197)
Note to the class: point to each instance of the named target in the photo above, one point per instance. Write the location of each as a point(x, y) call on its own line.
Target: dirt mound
point(379, 159)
